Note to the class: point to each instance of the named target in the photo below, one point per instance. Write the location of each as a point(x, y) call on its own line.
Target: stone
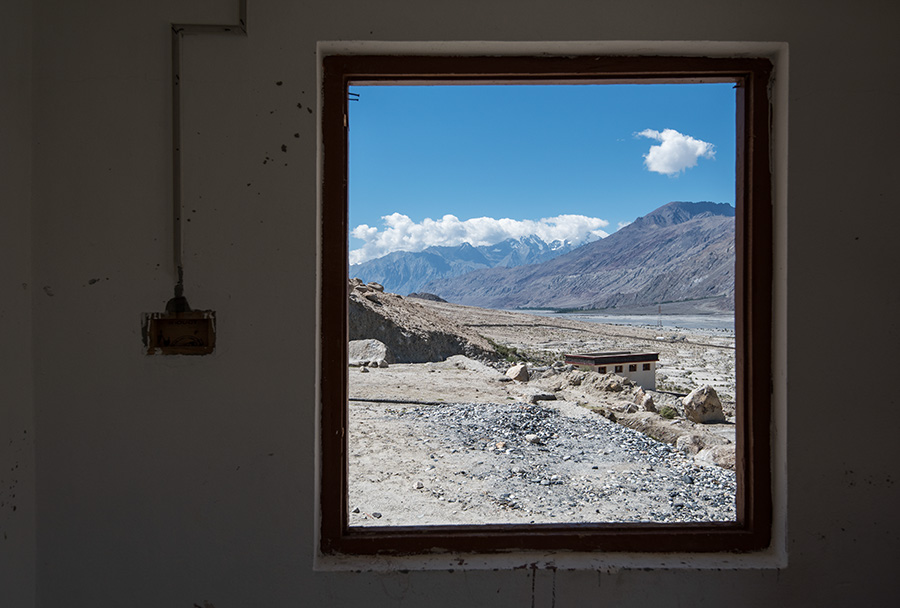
point(647, 404)
point(518, 372)
point(375, 286)
point(719, 455)
point(536, 396)
point(364, 369)
point(690, 443)
point(532, 438)
point(364, 352)
point(702, 405)
point(613, 383)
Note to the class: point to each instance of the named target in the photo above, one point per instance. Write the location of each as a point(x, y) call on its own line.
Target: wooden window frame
point(752, 529)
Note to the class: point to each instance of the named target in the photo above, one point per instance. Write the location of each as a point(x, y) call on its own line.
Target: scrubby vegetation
point(668, 412)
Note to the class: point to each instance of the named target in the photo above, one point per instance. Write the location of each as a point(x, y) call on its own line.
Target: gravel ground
point(555, 462)
point(468, 456)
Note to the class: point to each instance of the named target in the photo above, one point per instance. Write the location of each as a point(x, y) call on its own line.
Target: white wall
point(178, 481)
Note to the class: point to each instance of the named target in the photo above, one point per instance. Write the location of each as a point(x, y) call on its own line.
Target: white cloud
point(400, 233)
point(676, 151)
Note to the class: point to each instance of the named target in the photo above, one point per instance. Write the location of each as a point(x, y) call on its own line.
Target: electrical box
point(192, 332)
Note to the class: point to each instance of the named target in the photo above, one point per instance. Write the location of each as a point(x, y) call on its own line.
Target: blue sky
point(588, 158)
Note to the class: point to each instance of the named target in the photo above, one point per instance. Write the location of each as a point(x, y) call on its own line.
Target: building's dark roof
point(610, 358)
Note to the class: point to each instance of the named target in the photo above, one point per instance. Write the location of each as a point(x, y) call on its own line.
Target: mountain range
point(405, 272)
point(681, 252)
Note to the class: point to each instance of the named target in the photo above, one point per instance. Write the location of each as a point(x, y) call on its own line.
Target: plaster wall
point(186, 481)
point(17, 432)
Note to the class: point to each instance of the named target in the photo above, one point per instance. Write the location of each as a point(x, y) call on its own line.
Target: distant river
point(715, 322)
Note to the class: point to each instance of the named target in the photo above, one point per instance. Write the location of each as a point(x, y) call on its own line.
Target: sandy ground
point(687, 358)
point(411, 465)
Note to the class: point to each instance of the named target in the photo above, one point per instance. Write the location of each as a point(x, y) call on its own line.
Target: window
point(753, 299)
point(632, 367)
point(618, 369)
point(646, 367)
point(602, 369)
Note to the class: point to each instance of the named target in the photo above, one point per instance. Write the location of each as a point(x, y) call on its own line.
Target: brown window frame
point(646, 367)
point(632, 367)
point(753, 304)
point(618, 369)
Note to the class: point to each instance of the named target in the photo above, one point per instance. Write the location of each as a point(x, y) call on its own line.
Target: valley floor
point(456, 442)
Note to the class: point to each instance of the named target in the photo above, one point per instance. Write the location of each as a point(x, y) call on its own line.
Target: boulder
point(643, 399)
point(690, 443)
point(639, 395)
point(719, 455)
point(703, 405)
point(518, 372)
point(369, 352)
point(535, 396)
point(611, 383)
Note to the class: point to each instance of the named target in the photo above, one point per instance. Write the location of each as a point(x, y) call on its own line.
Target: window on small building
point(632, 367)
point(646, 367)
point(602, 369)
point(752, 528)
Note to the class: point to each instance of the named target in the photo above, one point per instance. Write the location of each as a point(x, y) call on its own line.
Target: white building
point(640, 368)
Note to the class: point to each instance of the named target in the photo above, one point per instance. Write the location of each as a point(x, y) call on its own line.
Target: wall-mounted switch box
point(180, 333)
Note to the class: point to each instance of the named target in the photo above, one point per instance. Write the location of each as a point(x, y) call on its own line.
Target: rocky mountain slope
point(406, 272)
point(681, 252)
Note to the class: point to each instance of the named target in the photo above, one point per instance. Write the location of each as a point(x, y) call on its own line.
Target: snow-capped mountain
point(405, 272)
